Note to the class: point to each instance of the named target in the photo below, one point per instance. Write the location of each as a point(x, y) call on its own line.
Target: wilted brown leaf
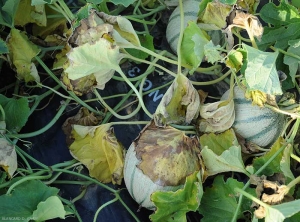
point(180, 104)
point(8, 157)
point(216, 117)
point(161, 149)
point(83, 118)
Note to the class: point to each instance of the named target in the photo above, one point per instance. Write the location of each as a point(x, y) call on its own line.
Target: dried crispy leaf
point(180, 104)
point(18, 43)
point(83, 118)
point(124, 33)
point(99, 150)
point(217, 117)
point(80, 86)
point(245, 21)
point(8, 157)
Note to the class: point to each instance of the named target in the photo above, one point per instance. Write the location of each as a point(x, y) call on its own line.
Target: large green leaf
point(278, 213)
point(192, 45)
point(292, 62)
point(173, 206)
point(24, 200)
point(16, 112)
point(274, 166)
point(229, 160)
point(51, 208)
point(220, 201)
point(218, 143)
point(8, 11)
point(282, 14)
point(261, 73)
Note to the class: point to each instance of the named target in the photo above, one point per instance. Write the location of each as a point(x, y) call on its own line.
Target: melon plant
point(259, 125)
point(160, 159)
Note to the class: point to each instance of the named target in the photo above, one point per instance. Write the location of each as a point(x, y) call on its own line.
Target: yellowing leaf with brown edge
point(18, 43)
point(27, 13)
point(8, 157)
point(180, 104)
point(100, 151)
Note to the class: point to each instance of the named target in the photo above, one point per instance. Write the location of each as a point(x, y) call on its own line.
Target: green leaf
point(234, 60)
point(126, 3)
point(146, 41)
point(8, 11)
point(280, 36)
point(24, 199)
point(16, 112)
point(172, 206)
point(261, 73)
point(285, 164)
point(220, 201)
point(41, 2)
point(192, 45)
point(18, 43)
point(229, 160)
point(274, 166)
point(282, 14)
point(228, 2)
point(51, 208)
point(279, 212)
point(3, 47)
point(96, 2)
point(212, 52)
point(291, 61)
point(218, 143)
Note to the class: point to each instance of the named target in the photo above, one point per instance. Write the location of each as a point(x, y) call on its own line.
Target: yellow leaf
point(99, 150)
point(18, 43)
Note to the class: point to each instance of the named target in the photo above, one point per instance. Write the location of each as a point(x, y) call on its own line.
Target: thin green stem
point(212, 81)
point(108, 115)
point(135, 90)
point(295, 157)
point(81, 195)
point(285, 52)
point(45, 128)
point(87, 178)
point(130, 123)
point(293, 183)
point(72, 94)
point(103, 206)
point(128, 209)
point(24, 179)
point(180, 37)
point(101, 100)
